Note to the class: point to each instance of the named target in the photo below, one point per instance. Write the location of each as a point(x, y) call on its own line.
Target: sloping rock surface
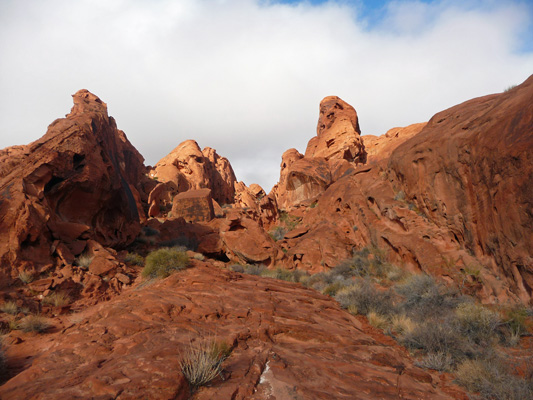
point(470, 170)
point(287, 342)
point(78, 182)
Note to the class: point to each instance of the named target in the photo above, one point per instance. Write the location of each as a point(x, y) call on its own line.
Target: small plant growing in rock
point(9, 307)
point(34, 323)
point(202, 362)
point(57, 299)
point(26, 277)
point(84, 260)
point(278, 233)
point(161, 263)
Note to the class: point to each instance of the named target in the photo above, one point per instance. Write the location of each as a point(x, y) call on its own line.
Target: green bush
point(161, 263)
point(278, 233)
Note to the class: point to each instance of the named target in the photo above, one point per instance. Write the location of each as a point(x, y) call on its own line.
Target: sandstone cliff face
point(286, 341)
point(190, 168)
point(78, 182)
point(470, 171)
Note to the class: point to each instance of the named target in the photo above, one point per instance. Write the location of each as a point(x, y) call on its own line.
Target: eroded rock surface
point(190, 168)
point(78, 182)
point(286, 341)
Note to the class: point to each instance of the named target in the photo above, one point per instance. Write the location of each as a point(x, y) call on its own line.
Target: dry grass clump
point(477, 323)
point(161, 263)
point(26, 277)
point(436, 361)
point(278, 233)
point(202, 362)
point(9, 307)
point(377, 320)
point(57, 299)
point(402, 324)
point(84, 260)
point(34, 323)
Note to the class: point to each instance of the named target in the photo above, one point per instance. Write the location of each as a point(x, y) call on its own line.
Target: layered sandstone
point(193, 206)
point(79, 182)
point(190, 168)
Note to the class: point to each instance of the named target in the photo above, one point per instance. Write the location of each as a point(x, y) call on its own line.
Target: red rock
point(470, 170)
point(190, 169)
point(41, 285)
point(77, 182)
point(193, 206)
point(257, 204)
point(284, 338)
point(338, 133)
point(381, 147)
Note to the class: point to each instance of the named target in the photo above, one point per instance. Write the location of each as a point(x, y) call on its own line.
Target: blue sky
point(246, 76)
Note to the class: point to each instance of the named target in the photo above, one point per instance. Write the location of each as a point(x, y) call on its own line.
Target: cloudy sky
point(246, 76)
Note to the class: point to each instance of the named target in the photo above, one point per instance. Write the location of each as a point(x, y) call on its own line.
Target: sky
point(246, 76)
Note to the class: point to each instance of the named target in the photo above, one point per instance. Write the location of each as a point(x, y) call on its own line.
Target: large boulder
point(78, 182)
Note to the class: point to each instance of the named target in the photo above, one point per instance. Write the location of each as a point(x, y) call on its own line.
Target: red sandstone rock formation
point(189, 168)
point(193, 206)
point(262, 207)
point(470, 171)
point(77, 183)
point(381, 147)
point(285, 341)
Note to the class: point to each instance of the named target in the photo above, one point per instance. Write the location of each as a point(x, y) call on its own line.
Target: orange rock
point(285, 341)
point(338, 133)
point(79, 181)
point(193, 206)
point(189, 168)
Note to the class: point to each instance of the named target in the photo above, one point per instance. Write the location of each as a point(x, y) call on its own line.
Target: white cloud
point(246, 76)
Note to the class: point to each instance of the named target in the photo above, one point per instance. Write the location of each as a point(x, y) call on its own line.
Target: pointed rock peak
point(338, 133)
point(333, 109)
point(85, 101)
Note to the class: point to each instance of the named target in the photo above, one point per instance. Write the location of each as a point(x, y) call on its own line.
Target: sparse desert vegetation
point(162, 262)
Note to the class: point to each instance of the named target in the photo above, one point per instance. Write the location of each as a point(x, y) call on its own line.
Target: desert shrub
point(402, 324)
point(237, 268)
point(476, 322)
point(493, 379)
point(202, 362)
point(290, 221)
point(425, 298)
point(34, 323)
point(333, 288)
point(161, 263)
point(9, 307)
point(515, 319)
point(278, 273)
point(253, 269)
point(26, 277)
point(278, 233)
point(57, 299)
point(436, 361)
point(3, 361)
point(199, 257)
point(13, 324)
point(134, 259)
point(84, 260)
point(366, 298)
point(377, 320)
point(400, 196)
point(437, 336)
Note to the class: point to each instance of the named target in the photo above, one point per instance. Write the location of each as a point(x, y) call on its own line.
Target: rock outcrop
point(470, 171)
point(286, 342)
point(193, 206)
point(77, 183)
point(338, 133)
point(190, 168)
